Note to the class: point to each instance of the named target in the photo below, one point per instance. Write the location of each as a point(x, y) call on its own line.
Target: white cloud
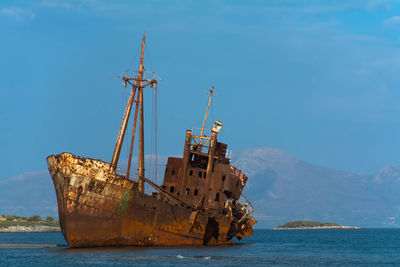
point(18, 14)
point(374, 5)
point(272, 194)
point(393, 20)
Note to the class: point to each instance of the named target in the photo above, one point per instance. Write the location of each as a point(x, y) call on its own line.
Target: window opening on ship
point(200, 174)
point(223, 178)
point(195, 192)
point(191, 173)
point(163, 187)
point(171, 189)
point(187, 191)
point(217, 197)
point(204, 175)
point(173, 171)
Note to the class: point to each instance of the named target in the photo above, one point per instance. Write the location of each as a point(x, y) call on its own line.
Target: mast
point(138, 84)
point(132, 139)
point(205, 117)
point(122, 130)
point(121, 134)
point(141, 127)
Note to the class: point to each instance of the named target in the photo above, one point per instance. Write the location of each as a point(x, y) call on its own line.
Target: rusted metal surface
point(100, 208)
point(141, 120)
point(210, 166)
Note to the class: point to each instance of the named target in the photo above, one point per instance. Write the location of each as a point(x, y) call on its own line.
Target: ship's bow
point(60, 177)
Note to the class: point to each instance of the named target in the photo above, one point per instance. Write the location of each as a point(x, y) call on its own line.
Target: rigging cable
point(212, 113)
point(153, 139)
point(134, 59)
point(153, 161)
point(124, 101)
point(155, 133)
point(151, 172)
point(127, 142)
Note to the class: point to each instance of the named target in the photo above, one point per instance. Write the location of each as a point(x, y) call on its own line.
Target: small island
point(300, 225)
point(33, 224)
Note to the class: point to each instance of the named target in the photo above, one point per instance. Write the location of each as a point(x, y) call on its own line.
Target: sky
point(317, 78)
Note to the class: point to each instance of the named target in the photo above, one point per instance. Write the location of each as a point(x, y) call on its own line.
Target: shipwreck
point(199, 202)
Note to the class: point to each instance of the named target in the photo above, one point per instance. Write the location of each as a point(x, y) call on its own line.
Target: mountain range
point(283, 188)
point(280, 187)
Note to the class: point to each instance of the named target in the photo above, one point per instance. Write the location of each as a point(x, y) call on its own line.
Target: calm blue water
point(365, 247)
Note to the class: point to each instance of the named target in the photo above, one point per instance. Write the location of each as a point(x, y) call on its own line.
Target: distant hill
point(28, 193)
point(304, 224)
point(281, 187)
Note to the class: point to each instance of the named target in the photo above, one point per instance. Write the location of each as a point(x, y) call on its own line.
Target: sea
point(339, 247)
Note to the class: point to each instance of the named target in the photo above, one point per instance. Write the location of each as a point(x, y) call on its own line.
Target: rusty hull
point(100, 208)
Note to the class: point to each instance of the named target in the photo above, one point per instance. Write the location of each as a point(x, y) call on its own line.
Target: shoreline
point(30, 229)
point(319, 227)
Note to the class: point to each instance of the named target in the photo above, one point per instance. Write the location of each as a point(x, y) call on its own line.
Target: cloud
point(56, 4)
point(91, 5)
point(393, 20)
point(18, 14)
point(24, 176)
point(272, 194)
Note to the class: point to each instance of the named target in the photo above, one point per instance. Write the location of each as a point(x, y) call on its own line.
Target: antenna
point(211, 92)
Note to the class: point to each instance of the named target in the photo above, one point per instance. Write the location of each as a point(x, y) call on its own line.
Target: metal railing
point(246, 204)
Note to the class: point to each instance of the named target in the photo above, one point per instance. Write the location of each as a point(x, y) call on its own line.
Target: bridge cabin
point(203, 177)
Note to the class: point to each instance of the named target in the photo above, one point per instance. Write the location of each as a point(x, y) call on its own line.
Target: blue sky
point(318, 79)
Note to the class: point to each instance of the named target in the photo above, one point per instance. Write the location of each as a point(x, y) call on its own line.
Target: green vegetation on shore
point(35, 220)
point(303, 224)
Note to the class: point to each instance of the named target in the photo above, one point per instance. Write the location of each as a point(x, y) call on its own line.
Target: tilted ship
point(200, 201)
